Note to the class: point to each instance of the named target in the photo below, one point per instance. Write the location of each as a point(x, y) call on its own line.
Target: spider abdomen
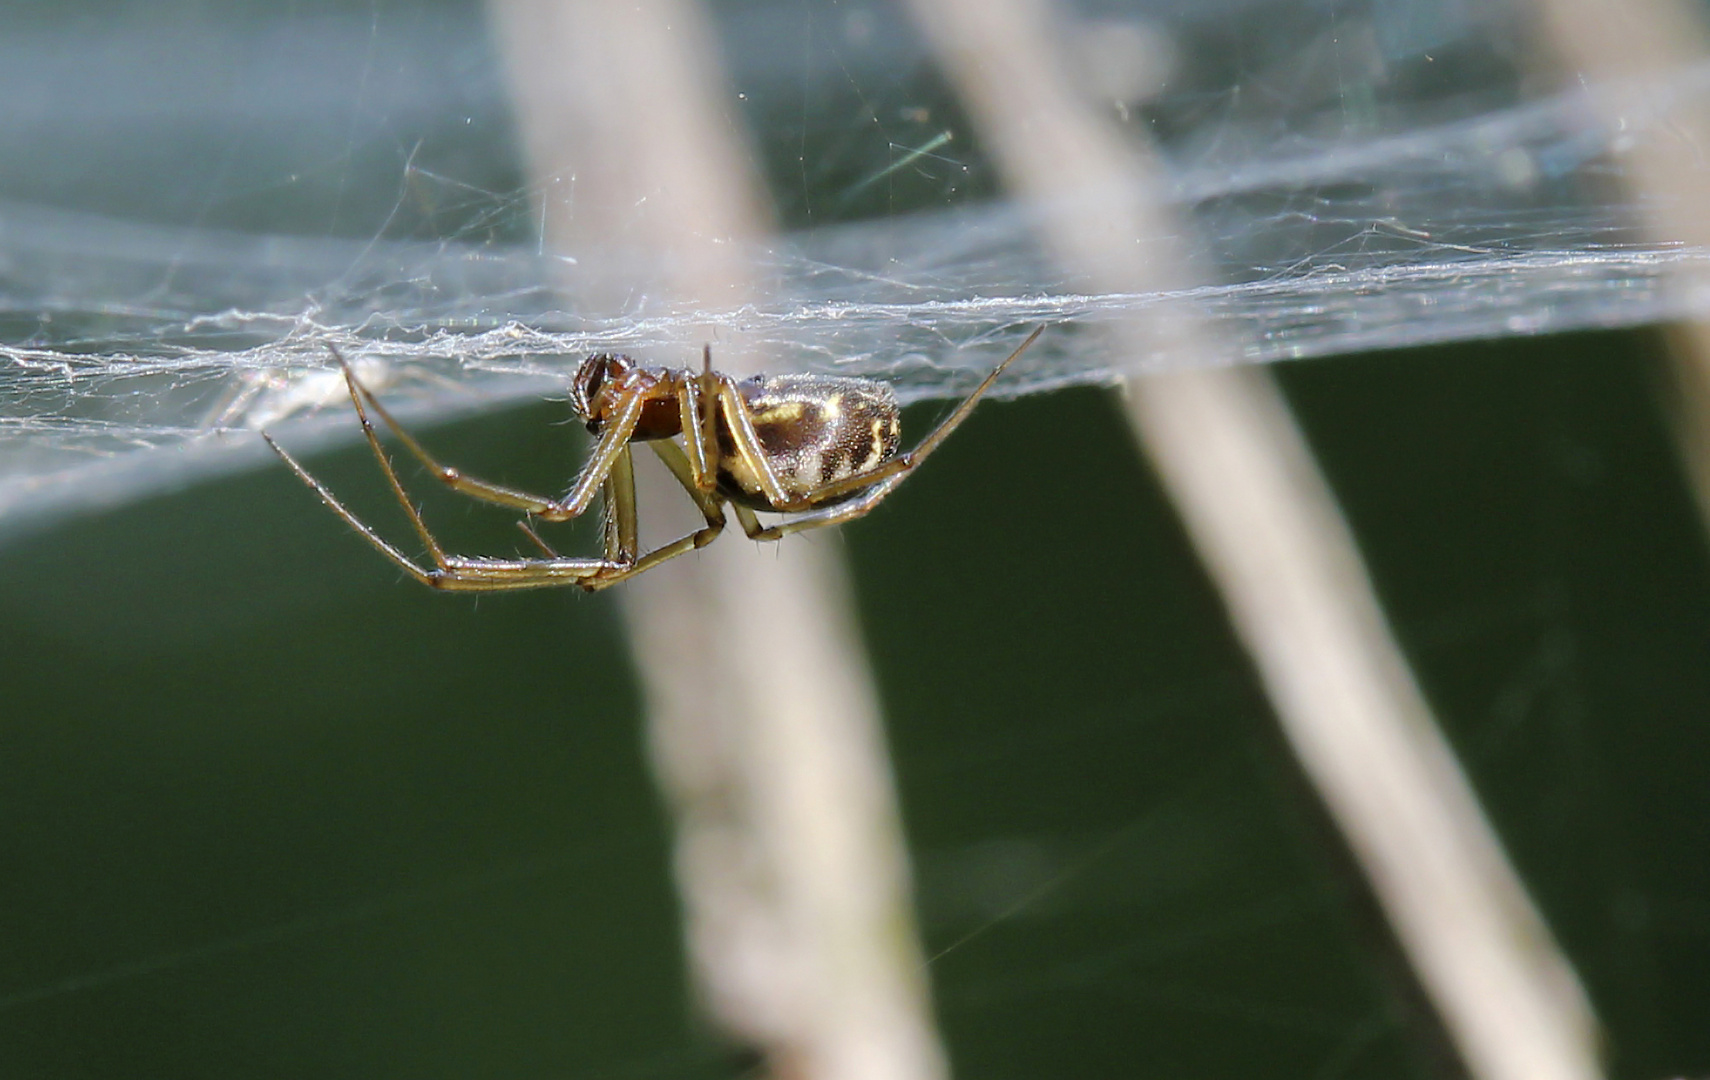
point(813, 430)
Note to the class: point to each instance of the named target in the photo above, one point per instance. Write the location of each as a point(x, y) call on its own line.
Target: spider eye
point(589, 381)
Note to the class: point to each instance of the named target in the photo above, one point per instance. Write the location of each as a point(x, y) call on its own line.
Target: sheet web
point(176, 262)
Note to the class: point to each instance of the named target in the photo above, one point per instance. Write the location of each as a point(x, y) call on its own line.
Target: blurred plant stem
point(1269, 531)
point(762, 717)
point(1629, 48)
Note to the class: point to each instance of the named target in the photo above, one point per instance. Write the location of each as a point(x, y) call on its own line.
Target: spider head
point(587, 388)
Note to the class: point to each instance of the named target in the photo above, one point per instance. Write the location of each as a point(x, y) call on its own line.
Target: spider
point(820, 448)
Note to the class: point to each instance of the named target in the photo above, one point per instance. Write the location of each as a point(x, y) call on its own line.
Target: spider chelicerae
point(820, 448)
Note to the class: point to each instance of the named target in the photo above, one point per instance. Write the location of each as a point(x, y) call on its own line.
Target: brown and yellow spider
point(819, 447)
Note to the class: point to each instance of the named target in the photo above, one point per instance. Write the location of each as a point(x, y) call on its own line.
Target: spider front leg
point(460, 573)
point(695, 418)
point(740, 423)
point(612, 443)
point(452, 573)
point(711, 506)
point(622, 535)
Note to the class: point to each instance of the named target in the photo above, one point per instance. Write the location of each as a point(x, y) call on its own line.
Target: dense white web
point(174, 262)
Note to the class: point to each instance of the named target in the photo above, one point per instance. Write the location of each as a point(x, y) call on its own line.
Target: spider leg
point(891, 470)
point(454, 573)
point(390, 472)
point(511, 575)
point(721, 397)
point(709, 503)
point(402, 561)
point(954, 420)
point(702, 486)
point(883, 479)
point(741, 424)
point(529, 532)
point(605, 579)
point(612, 446)
point(706, 428)
point(832, 515)
point(701, 456)
point(710, 506)
point(612, 440)
point(622, 539)
point(749, 521)
point(619, 526)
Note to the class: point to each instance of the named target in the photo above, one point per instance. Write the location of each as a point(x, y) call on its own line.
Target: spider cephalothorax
point(605, 382)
